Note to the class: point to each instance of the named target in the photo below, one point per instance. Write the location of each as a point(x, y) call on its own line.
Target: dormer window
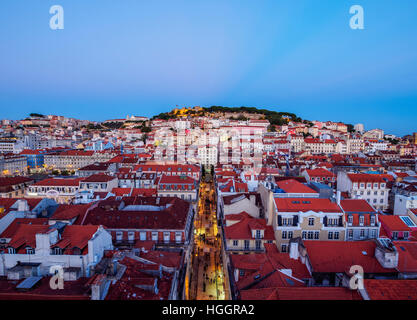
point(372, 220)
point(11, 250)
point(30, 251)
point(350, 219)
point(258, 234)
point(56, 251)
point(361, 220)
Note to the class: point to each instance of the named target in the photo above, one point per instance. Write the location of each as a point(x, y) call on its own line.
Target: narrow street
point(207, 277)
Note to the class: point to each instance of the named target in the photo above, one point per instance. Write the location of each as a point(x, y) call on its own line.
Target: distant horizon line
point(181, 107)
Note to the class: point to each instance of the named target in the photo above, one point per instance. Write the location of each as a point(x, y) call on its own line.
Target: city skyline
point(115, 59)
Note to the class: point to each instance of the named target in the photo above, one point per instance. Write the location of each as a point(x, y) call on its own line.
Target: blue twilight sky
point(122, 57)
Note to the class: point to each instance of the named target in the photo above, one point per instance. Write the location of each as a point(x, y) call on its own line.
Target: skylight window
point(408, 221)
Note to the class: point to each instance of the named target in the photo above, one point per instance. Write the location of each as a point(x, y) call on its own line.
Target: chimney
point(386, 253)
point(338, 196)
point(294, 249)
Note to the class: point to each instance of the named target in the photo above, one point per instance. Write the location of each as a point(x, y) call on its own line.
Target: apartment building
point(62, 190)
point(13, 165)
point(183, 187)
point(362, 221)
point(371, 187)
point(245, 234)
point(164, 220)
point(75, 159)
point(317, 146)
point(33, 249)
point(307, 218)
point(98, 183)
point(13, 187)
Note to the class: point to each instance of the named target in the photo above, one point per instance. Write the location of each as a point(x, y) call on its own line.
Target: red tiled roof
point(70, 182)
point(339, 256)
point(120, 192)
point(12, 228)
point(306, 204)
point(356, 206)
point(391, 289)
point(365, 177)
point(25, 235)
point(99, 178)
point(171, 217)
point(242, 229)
point(301, 293)
point(293, 186)
point(319, 172)
point(176, 180)
point(144, 192)
point(393, 223)
point(11, 181)
point(69, 211)
point(76, 236)
point(73, 290)
point(407, 256)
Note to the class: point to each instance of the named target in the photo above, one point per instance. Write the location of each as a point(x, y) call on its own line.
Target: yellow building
point(309, 219)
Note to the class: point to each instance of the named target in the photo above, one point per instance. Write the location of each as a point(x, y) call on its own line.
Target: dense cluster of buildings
point(298, 205)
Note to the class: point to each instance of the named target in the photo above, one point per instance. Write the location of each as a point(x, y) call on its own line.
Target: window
point(406, 234)
point(381, 201)
point(131, 236)
point(372, 220)
point(30, 251)
point(284, 234)
point(311, 221)
point(56, 251)
point(395, 235)
point(283, 248)
point(178, 237)
point(350, 219)
point(258, 234)
point(361, 220)
point(241, 272)
point(235, 243)
point(154, 236)
point(258, 244)
point(290, 234)
point(317, 235)
point(350, 234)
point(166, 237)
point(304, 235)
point(310, 234)
point(330, 235)
point(142, 236)
point(374, 201)
point(246, 244)
point(336, 235)
point(119, 235)
point(373, 233)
